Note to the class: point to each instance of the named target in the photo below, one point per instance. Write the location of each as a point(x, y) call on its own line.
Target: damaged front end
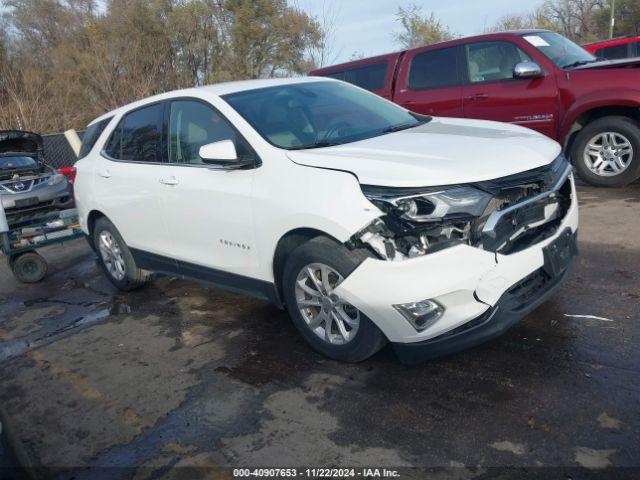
point(504, 215)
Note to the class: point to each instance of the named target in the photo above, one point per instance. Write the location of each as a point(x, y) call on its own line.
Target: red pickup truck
point(615, 48)
point(534, 78)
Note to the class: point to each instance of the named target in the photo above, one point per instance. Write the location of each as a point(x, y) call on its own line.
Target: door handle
point(169, 181)
point(477, 96)
point(105, 174)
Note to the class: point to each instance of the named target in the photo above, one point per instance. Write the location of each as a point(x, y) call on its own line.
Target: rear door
point(429, 82)
point(492, 93)
point(128, 183)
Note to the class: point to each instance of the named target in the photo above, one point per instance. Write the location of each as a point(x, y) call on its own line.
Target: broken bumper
point(474, 286)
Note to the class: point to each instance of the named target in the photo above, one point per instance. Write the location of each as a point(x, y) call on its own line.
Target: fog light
point(421, 314)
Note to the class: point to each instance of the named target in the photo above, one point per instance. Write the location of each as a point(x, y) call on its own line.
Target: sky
point(367, 26)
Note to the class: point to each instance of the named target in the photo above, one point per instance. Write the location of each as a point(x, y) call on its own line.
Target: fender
point(625, 97)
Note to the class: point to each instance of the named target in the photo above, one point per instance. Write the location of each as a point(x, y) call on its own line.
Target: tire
point(624, 129)
point(28, 267)
point(129, 276)
point(367, 339)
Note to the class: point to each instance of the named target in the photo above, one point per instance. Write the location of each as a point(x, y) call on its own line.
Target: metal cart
point(19, 241)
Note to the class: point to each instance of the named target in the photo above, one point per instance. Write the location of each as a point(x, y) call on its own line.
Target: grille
point(22, 186)
point(519, 227)
point(528, 289)
point(19, 186)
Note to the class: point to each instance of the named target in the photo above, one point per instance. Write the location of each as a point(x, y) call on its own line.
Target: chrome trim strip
point(496, 216)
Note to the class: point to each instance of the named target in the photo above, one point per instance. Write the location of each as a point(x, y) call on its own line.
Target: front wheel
point(329, 323)
point(606, 152)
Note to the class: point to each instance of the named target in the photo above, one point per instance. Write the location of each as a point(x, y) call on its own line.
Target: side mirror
point(527, 70)
point(222, 152)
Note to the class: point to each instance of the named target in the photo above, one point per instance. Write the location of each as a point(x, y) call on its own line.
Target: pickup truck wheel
point(606, 153)
point(115, 257)
point(331, 325)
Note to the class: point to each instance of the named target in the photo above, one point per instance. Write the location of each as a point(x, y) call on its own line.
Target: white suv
point(367, 222)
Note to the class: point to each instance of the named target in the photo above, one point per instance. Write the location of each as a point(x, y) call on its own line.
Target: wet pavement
point(100, 384)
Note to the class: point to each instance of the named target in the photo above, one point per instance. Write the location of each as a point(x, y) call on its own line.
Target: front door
point(492, 93)
point(208, 210)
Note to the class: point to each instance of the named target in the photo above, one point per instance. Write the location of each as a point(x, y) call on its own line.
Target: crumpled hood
point(443, 151)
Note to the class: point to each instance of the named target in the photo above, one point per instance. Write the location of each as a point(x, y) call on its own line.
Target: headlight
point(431, 204)
point(56, 179)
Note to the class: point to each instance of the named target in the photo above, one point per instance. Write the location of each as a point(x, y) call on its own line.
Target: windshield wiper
point(402, 126)
point(579, 63)
point(318, 144)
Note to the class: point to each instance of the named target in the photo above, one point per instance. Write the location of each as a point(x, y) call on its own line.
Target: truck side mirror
point(527, 70)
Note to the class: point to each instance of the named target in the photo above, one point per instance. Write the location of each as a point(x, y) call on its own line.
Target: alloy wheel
point(111, 255)
point(327, 315)
point(608, 154)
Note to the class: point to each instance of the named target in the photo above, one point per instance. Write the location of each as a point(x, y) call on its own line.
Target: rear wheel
point(328, 322)
point(115, 257)
point(606, 152)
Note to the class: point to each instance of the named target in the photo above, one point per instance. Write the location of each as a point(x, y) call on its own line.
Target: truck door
point(429, 82)
point(492, 93)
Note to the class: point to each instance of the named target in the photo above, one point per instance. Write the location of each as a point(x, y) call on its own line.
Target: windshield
point(17, 162)
point(562, 51)
point(318, 114)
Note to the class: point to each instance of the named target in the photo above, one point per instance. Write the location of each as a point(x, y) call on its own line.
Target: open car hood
point(16, 141)
point(444, 151)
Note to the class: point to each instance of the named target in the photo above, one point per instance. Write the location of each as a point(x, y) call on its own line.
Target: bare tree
point(575, 19)
point(322, 51)
point(419, 29)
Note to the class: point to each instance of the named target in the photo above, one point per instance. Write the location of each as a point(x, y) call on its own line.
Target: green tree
point(419, 29)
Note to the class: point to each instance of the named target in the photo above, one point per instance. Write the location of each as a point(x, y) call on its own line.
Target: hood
point(444, 151)
point(621, 63)
point(16, 141)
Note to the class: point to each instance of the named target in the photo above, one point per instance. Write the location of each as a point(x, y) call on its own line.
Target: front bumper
point(521, 299)
point(469, 282)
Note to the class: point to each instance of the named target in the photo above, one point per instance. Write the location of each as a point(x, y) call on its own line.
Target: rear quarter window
point(91, 136)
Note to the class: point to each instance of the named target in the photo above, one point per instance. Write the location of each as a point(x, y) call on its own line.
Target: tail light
point(69, 172)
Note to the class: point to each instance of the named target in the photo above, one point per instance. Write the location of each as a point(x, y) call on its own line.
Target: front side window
point(560, 50)
point(493, 61)
point(369, 77)
point(138, 136)
point(434, 69)
point(318, 114)
point(193, 124)
point(91, 135)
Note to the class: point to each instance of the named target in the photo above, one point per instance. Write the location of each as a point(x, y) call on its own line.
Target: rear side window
point(138, 136)
point(635, 49)
point(91, 136)
point(336, 75)
point(434, 69)
point(616, 51)
point(370, 77)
